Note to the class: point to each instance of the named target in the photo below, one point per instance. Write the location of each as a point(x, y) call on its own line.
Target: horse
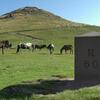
point(66, 48)
point(23, 46)
point(40, 46)
point(50, 47)
point(5, 44)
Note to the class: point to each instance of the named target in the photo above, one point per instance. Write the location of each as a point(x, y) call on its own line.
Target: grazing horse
point(5, 44)
point(40, 46)
point(50, 47)
point(23, 46)
point(66, 48)
point(35, 46)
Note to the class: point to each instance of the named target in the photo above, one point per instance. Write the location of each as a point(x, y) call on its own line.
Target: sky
point(81, 11)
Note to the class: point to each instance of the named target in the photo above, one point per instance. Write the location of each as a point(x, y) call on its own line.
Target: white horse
point(28, 45)
point(50, 47)
point(24, 46)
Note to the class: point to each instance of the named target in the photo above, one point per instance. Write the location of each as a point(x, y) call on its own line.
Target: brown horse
point(66, 48)
point(5, 44)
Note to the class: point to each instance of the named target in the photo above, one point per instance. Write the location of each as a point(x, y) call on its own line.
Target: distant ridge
point(21, 11)
point(34, 11)
point(27, 11)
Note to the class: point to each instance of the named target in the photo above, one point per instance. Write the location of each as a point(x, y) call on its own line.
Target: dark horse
point(5, 44)
point(50, 47)
point(66, 48)
point(40, 46)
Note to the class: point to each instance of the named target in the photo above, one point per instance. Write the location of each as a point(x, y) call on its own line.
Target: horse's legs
point(33, 47)
point(29, 48)
point(60, 51)
point(50, 51)
point(53, 49)
point(71, 51)
point(40, 48)
point(18, 47)
point(65, 51)
point(2, 49)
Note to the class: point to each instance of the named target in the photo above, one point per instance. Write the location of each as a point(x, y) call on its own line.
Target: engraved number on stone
point(86, 64)
point(95, 64)
point(91, 53)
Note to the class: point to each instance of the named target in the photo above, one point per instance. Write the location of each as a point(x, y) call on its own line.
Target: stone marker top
point(89, 34)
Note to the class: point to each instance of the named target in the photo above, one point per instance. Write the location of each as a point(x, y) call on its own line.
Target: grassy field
point(38, 75)
point(27, 65)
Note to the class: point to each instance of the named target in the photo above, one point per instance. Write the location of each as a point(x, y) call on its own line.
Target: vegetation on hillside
point(38, 23)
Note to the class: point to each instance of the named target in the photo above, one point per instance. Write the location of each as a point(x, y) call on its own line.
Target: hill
point(34, 18)
point(23, 23)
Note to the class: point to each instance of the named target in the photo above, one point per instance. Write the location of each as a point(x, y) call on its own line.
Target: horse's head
point(50, 46)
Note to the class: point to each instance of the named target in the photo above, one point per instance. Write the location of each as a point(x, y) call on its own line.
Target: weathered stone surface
point(87, 56)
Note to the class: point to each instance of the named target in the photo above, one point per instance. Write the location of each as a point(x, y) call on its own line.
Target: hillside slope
point(35, 22)
point(31, 18)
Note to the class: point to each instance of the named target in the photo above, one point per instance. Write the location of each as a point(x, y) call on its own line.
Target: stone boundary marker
point(87, 56)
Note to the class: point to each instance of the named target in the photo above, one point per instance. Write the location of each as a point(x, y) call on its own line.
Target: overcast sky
point(83, 11)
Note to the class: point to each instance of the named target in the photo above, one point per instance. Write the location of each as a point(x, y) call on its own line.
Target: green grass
point(28, 65)
point(27, 68)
